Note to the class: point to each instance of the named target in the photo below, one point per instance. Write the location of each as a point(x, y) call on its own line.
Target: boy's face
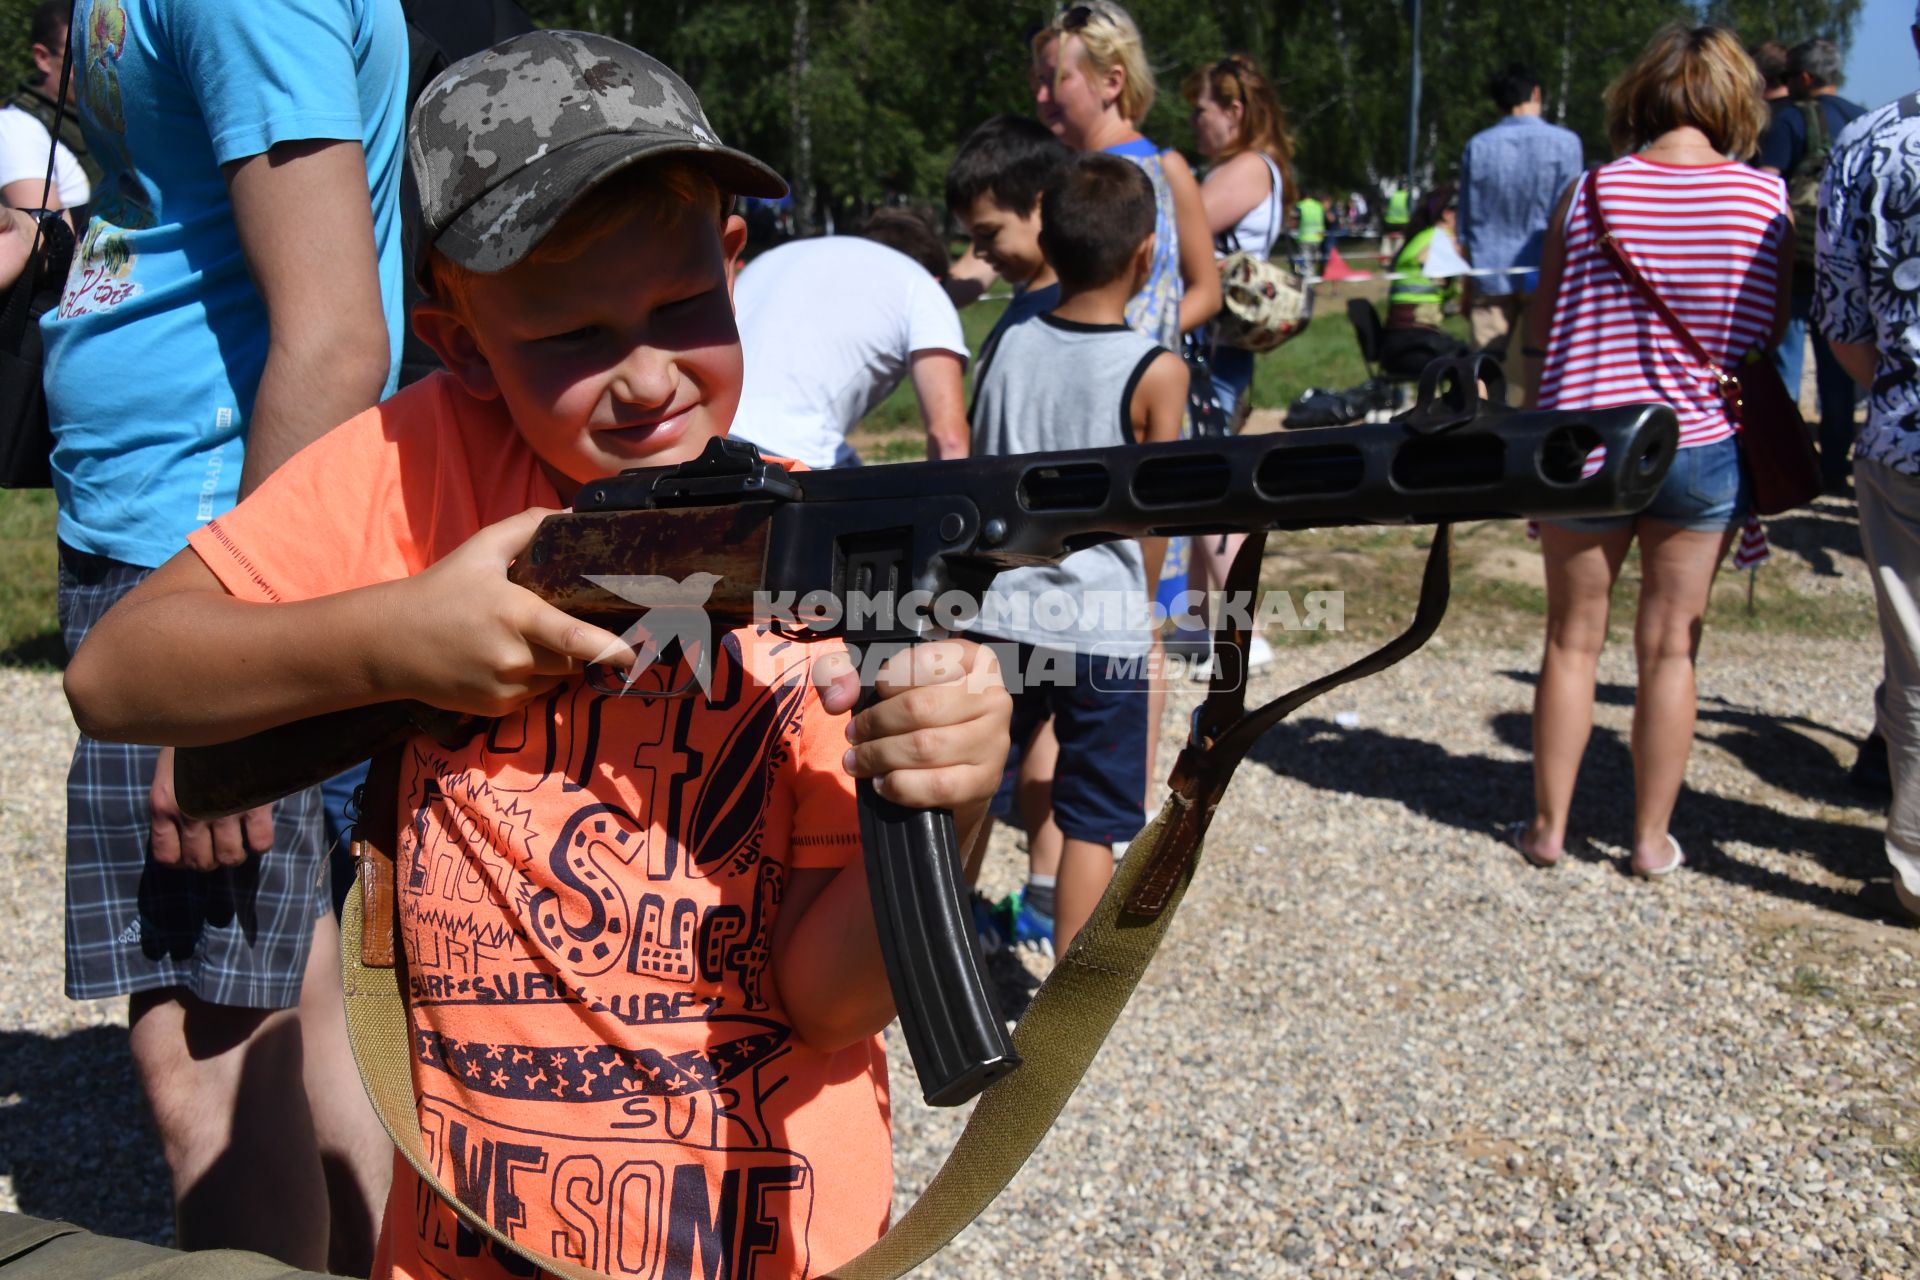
point(624, 356)
point(1008, 242)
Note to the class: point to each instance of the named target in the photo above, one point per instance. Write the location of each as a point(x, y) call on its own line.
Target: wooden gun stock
point(644, 554)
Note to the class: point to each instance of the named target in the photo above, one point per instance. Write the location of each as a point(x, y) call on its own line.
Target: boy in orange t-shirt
point(644, 983)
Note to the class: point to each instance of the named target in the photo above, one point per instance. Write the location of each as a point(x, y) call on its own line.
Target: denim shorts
point(1706, 491)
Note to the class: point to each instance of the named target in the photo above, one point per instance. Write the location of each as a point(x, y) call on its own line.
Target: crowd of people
point(633, 929)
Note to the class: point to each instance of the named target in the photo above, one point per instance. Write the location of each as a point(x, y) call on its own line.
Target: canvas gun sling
point(1064, 1027)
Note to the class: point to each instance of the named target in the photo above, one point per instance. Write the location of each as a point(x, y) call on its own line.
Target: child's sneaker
point(1023, 928)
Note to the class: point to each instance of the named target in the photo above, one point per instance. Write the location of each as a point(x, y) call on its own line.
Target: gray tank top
point(1058, 384)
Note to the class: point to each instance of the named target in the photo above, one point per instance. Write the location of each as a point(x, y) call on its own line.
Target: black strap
point(19, 309)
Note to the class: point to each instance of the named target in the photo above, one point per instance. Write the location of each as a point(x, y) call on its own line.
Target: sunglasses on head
point(1076, 18)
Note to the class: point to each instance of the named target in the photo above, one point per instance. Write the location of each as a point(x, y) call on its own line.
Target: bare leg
point(225, 1089)
point(1210, 563)
point(1678, 568)
point(1034, 799)
point(1085, 869)
point(1581, 569)
point(356, 1156)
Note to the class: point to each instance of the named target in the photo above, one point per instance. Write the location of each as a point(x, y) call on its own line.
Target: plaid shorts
point(237, 936)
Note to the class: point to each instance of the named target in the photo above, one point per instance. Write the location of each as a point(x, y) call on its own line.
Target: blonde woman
point(1092, 87)
point(1712, 237)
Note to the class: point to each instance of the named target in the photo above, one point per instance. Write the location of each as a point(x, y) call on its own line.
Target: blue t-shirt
point(155, 353)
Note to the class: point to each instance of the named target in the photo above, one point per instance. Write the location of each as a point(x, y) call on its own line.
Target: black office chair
point(1366, 330)
point(1370, 334)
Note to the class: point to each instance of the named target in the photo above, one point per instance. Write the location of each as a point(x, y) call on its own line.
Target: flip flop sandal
point(1515, 834)
point(1665, 869)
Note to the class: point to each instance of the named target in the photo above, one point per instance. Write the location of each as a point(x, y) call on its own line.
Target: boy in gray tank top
point(1074, 637)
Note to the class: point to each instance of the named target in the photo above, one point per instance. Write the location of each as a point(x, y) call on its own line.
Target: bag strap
point(1071, 1014)
point(1610, 249)
point(1814, 117)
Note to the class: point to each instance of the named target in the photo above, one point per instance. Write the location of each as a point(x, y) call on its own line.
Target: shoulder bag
point(1774, 443)
point(1262, 302)
point(26, 437)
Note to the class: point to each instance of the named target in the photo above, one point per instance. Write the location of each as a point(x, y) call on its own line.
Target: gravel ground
point(1376, 1042)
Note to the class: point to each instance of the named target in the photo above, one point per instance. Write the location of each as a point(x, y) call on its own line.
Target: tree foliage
point(891, 86)
point(862, 101)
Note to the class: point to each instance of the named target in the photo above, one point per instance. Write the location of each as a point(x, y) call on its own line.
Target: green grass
point(29, 626)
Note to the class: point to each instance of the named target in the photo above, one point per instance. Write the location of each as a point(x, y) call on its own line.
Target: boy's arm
point(1158, 407)
point(306, 228)
point(941, 389)
point(937, 738)
point(181, 663)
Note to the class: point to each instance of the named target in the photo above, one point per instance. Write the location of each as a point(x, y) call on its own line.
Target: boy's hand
point(468, 640)
point(179, 841)
point(937, 738)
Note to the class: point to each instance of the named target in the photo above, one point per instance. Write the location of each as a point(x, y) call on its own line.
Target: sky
point(1881, 62)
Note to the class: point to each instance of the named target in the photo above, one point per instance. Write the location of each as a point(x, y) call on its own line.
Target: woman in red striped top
point(1713, 239)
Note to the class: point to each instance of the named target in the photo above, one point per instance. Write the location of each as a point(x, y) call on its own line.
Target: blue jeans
point(1834, 386)
point(1232, 376)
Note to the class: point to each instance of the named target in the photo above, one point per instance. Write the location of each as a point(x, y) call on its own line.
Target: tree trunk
point(801, 178)
point(1345, 51)
point(1566, 62)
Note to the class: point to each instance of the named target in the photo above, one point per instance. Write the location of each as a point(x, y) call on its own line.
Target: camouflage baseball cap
point(504, 142)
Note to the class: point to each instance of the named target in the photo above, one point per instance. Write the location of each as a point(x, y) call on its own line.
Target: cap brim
point(503, 226)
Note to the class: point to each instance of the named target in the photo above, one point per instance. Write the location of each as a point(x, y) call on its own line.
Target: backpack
point(1803, 193)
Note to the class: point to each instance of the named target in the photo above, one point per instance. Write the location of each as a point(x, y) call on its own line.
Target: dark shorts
point(1099, 715)
point(1706, 491)
point(237, 936)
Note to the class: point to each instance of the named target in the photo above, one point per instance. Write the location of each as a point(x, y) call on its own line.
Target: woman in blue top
point(1092, 86)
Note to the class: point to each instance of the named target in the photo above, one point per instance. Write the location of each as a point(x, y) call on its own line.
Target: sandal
point(1515, 834)
point(1665, 869)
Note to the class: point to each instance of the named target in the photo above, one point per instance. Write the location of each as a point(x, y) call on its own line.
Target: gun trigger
point(610, 682)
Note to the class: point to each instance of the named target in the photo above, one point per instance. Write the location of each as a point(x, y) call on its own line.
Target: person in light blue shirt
point(1511, 176)
point(236, 293)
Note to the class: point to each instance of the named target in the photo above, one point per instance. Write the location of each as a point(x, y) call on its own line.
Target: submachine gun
point(943, 527)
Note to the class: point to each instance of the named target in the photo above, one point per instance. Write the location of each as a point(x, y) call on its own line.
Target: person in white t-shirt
point(23, 166)
point(829, 327)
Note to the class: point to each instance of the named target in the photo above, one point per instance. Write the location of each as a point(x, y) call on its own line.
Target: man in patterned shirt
point(1867, 302)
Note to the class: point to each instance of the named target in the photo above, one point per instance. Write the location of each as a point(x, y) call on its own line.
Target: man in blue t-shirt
point(236, 293)
point(1798, 153)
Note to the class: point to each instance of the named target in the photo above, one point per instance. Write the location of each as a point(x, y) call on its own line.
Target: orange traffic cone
point(1337, 269)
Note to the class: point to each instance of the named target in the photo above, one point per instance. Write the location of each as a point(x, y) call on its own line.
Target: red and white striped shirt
point(1708, 240)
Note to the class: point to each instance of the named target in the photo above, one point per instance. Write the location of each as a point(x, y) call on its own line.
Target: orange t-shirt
point(587, 895)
